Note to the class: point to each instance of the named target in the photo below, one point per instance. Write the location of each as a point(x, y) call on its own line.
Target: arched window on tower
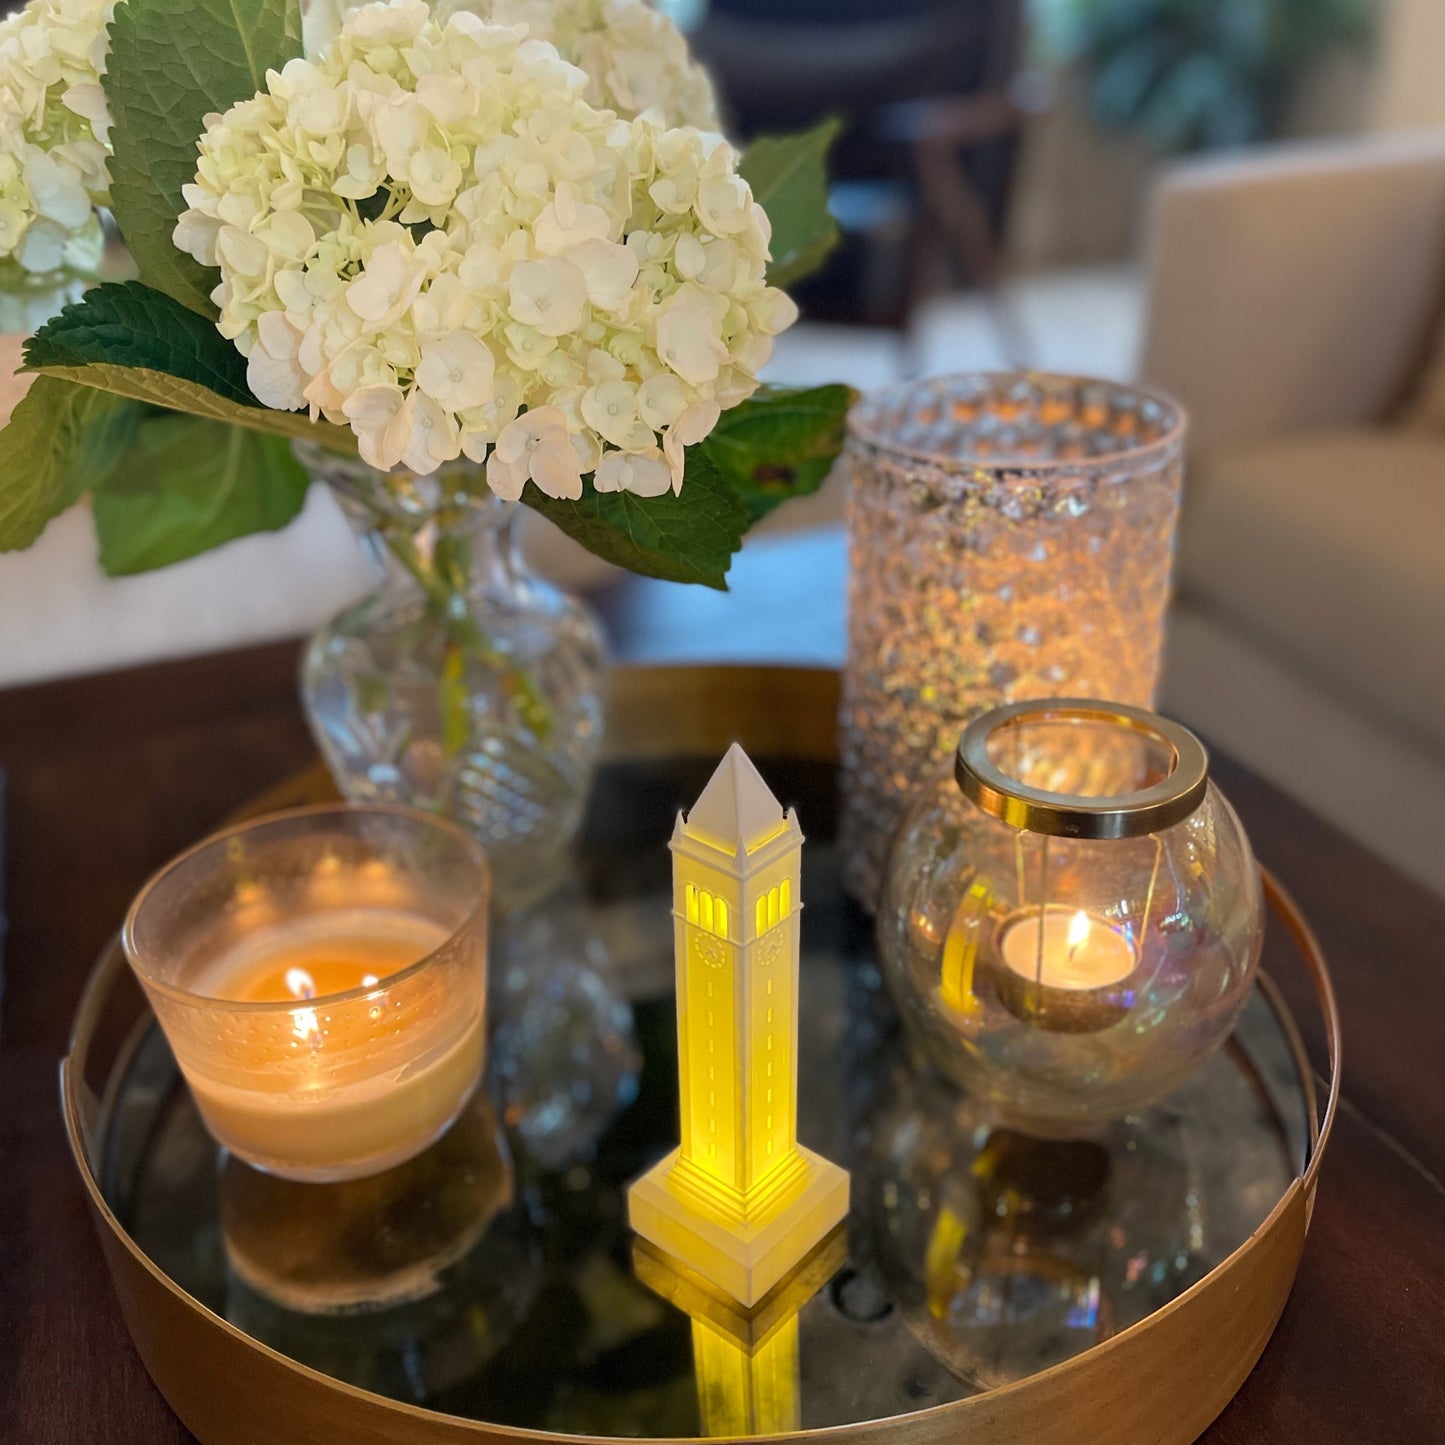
point(772, 907)
point(707, 910)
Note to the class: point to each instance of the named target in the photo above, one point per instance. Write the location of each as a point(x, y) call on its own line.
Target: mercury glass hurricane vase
point(1011, 536)
point(463, 684)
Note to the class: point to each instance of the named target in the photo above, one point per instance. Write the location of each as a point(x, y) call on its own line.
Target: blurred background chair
point(1293, 300)
point(923, 167)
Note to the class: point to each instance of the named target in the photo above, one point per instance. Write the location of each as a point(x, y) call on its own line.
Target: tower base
point(745, 1255)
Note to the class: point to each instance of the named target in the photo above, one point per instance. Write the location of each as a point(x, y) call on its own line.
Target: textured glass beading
point(463, 685)
point(563, 1059)
point(1011, 536)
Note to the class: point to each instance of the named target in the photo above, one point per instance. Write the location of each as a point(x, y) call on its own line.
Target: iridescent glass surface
point(1182, 903)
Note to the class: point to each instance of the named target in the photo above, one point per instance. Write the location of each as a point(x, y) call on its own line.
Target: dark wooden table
point(110, 775)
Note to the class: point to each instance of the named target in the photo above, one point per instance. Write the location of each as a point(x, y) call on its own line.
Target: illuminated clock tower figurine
point(740, 1202)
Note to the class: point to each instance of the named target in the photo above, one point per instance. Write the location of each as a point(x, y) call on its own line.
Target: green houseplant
point(1202, 74)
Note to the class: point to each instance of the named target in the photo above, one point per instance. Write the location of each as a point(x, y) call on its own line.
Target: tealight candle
point(1061, 968)
point(321, 977)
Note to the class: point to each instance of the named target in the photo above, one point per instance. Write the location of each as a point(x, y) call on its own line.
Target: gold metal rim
point(1071, 815)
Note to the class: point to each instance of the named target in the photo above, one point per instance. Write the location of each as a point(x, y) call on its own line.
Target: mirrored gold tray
point(988, 1288)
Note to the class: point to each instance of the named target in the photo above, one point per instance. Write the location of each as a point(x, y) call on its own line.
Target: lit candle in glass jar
point(321, 978)
point(1063, 969)
point(320, 954)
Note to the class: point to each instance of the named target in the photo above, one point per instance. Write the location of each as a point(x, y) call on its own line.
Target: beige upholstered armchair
point(1294, 297)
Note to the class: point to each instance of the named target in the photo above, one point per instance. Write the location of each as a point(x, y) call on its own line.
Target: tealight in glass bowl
point(1073, 916)
point(321, 978)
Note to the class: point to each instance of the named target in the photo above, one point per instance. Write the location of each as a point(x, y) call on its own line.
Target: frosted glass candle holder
point(321, 978)
point(1011, 536)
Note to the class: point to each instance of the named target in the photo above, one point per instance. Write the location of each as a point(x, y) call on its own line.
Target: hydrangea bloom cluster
point(429, 234)
point(54, 137)
point(636, 60)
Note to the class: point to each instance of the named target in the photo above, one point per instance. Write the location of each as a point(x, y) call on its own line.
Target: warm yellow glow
point(1062, 950)
point(709, 1128)
point(300, 984)
point(739, 1201)
point(708, 912)
point(940, 1264)
point(308, 1090)
point(745, 1359)
point(960, 951)
point(741, 1393)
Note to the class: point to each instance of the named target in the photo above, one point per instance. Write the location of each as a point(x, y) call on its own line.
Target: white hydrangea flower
point(429, 234)
point(636, 60)
point(54, 139)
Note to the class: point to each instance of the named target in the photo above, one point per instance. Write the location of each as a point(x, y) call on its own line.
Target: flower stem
point(466, 638)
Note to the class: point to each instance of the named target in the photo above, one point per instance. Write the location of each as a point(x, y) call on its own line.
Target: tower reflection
point(745, 1360)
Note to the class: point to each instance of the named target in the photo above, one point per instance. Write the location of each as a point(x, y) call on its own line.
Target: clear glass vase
point(463, 684)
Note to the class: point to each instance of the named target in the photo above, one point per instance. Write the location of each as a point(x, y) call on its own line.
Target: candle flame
point(1078, 929)
point(369, 980)
point(301, 984)
point(303, 1020)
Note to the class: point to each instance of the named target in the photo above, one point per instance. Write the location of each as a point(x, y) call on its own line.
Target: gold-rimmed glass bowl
point(1073, 917)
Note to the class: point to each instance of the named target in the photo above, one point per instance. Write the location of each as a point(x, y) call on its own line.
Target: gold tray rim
point(1163, 1380)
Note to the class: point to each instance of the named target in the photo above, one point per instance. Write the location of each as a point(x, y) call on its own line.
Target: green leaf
point(789, 178)
point(687, 538)
point(133, 341)
point(62, 440)
point(779, 443)
point(157, 388)
point(188, 485)
point(131, 324)
point(170, 65)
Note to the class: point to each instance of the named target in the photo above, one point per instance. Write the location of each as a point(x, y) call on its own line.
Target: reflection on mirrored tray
point(495, 1277)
